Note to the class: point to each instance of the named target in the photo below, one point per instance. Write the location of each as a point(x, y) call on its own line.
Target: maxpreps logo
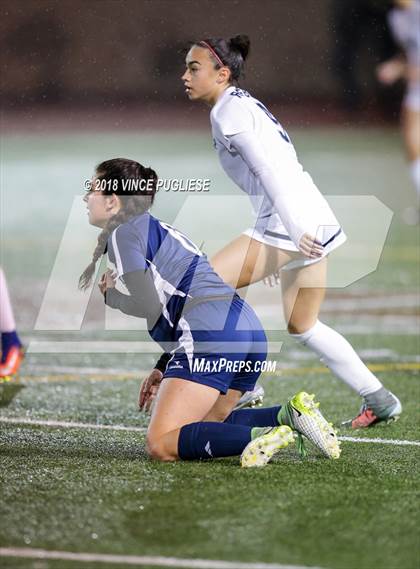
point(203, 365)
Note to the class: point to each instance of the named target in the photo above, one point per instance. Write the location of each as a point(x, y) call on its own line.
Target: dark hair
point(134, 201)
point(232, 53)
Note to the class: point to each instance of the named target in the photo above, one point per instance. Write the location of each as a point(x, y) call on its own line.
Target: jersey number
point(281, 130)
point(185, 242)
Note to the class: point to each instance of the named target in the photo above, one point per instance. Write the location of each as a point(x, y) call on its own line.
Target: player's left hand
point(272, 280)
point(310, 247)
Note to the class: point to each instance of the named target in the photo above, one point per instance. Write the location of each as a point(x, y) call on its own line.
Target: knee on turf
point(156, 449)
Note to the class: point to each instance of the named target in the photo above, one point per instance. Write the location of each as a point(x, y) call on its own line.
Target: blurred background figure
point(404, 21)
point(361, 37)
point(11, 346)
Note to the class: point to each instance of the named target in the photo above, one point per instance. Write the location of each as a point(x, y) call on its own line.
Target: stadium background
point(87, 80)
point(109, 53)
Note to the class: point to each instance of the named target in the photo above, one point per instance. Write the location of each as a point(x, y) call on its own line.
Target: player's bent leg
point(245, 261)
point(186, 435)
point(235, 400)
point(186, 423)
point(179, 402)
point(333, 349)
point(163, 448)
point(303, 292)
point(223, 406)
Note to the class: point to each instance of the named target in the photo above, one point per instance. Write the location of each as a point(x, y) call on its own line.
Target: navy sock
point(8, 340)
point(212, 440)
point(264, 417)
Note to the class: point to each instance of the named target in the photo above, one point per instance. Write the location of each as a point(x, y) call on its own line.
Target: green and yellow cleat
point(301, 413)
point(262, 449)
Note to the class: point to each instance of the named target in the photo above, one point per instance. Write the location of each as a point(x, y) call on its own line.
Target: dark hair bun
point(242, 44)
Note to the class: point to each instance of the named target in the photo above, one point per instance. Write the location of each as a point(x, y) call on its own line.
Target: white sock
point(415, 175)
point(338, 355)
point(7, 321)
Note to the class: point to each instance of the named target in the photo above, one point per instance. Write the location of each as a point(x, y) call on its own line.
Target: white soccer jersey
point(405, 26)
point(257, 154)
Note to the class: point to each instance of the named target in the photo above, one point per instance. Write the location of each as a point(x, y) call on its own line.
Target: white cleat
point(252, 398)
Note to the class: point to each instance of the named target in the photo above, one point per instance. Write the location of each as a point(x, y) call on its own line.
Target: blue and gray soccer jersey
point(200, 319)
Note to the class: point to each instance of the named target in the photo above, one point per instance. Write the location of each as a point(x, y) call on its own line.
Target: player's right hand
point(390, 71)
point(148, 390)
point(102, 283)
point(107, 281)
point(310, 247)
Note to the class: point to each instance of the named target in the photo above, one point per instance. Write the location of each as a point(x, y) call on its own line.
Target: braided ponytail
point(136, 203)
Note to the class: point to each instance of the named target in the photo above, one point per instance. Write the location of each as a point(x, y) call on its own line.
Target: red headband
point(208, 46)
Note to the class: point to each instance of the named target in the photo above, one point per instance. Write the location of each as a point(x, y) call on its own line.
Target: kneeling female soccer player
point(216, 341)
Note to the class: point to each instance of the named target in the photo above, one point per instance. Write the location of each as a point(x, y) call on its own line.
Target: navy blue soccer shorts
point(222, 345)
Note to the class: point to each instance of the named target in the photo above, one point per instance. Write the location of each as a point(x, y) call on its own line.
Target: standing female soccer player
point(295, 228)
point(404, 21)
point(216, 341)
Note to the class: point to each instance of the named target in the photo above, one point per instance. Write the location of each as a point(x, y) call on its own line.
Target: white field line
point(396, 442)
point(156, 561)
point(68, 370)
point(71, 424)
point(92, 347)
